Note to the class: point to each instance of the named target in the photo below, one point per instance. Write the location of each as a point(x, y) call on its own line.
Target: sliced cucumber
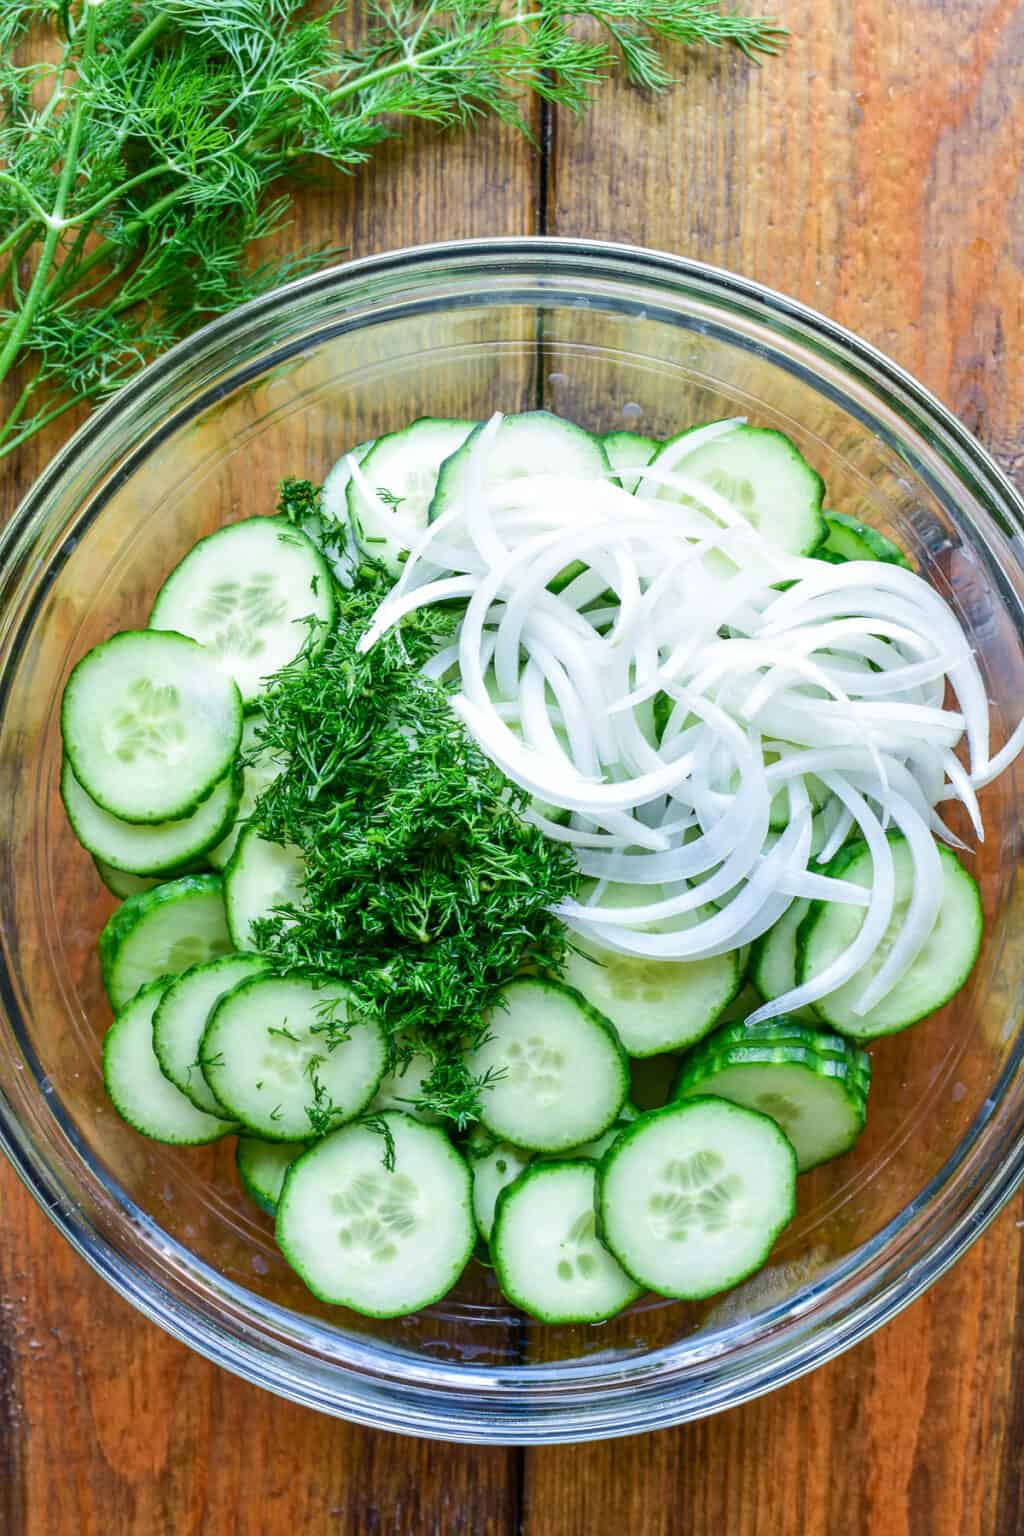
point(404, 466)
point(788, 1029)
point(745, 1001)
point(494, 1165)
point(655, 1005)
point(262, 1166)
point(245, 593)
point(692, 1197)
point(773, 960)
point(270, 1059)
point(138, 1089)
point(260, 877)
point(153, 848)
point(150, 725)
point(816, 1096)
point(182, 1016)
point(161, 933)
point(402, 1088)
point(595, 1150)
point(383, 1241)
point(121, 884)
point(334, 492)
point(259, 768)
point(851, 540)
point(938, 973)
point(534, 443)
point(547, 1254)
point(763, 475)
point(629, 453)
point(563, 1073)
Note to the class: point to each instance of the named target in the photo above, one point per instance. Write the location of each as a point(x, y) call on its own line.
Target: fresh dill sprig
point(146, 145)
point(425, 889)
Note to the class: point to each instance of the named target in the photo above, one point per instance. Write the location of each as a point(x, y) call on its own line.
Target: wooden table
point(875, 173)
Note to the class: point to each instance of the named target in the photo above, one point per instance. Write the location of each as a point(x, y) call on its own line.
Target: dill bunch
point(426, 891)
point(146, 145)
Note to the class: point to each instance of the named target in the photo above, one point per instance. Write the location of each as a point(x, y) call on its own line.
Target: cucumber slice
point(629, 453)
point(121, 884)
point(334, 492)
point(850, 540)
point(260, 877)
point(765, 478)
point(262, 1166)
point(494, 1165)
point(745, 1001)
point(937, 974)
point(534, 443)
point(564, 1075)
point(182, 1016)
point(269, 1059)
point(245, 593)
point(402, 1088)
point(404, 465)
point(655, 1005)
point(595, 1150)
point(153, 848)
point(817, 1098)
point(150, 725)
point(260, 768)
point(773, 960)
point(547, 1254)
point(692, 1197)
point(787, 1029)
point(161, 933)
point(382, 1241)
point(138, 1089)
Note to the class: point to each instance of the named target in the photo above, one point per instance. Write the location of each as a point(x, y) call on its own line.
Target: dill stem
point(37, 290)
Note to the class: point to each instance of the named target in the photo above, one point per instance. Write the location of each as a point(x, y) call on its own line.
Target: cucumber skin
point(536, 1170)
point(167, 872)
point(131, 911)
point(879, 547)
point(470, 1246)
point(160, 985)
point(785, 1030)
point(782, 1053)
point(596, 1017)
point(259, 965)
point(198, 868)
point(694, 1074)
point(842, 861)
point(179, 812)
point(675, 1108)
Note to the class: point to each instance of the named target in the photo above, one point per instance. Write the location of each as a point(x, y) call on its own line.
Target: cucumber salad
point(510, 755)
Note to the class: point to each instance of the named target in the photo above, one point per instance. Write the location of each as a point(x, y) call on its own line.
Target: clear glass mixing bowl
point(610, 337)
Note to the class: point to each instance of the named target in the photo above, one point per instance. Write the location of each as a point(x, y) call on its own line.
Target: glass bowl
point(610, 337)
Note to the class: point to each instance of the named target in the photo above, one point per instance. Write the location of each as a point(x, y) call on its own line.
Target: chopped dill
point(426, 891)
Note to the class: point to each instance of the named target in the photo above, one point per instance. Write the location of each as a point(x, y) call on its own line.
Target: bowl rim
point(427, 1408)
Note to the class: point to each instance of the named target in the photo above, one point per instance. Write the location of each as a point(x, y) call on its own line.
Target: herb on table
point(425, 891)
point(146, 145)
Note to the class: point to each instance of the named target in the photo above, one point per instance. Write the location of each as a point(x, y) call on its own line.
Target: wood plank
point(866, 173)
point(106, 1424)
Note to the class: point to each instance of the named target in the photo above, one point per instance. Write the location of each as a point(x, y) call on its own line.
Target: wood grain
point(874, 173)
point(106, 1424)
